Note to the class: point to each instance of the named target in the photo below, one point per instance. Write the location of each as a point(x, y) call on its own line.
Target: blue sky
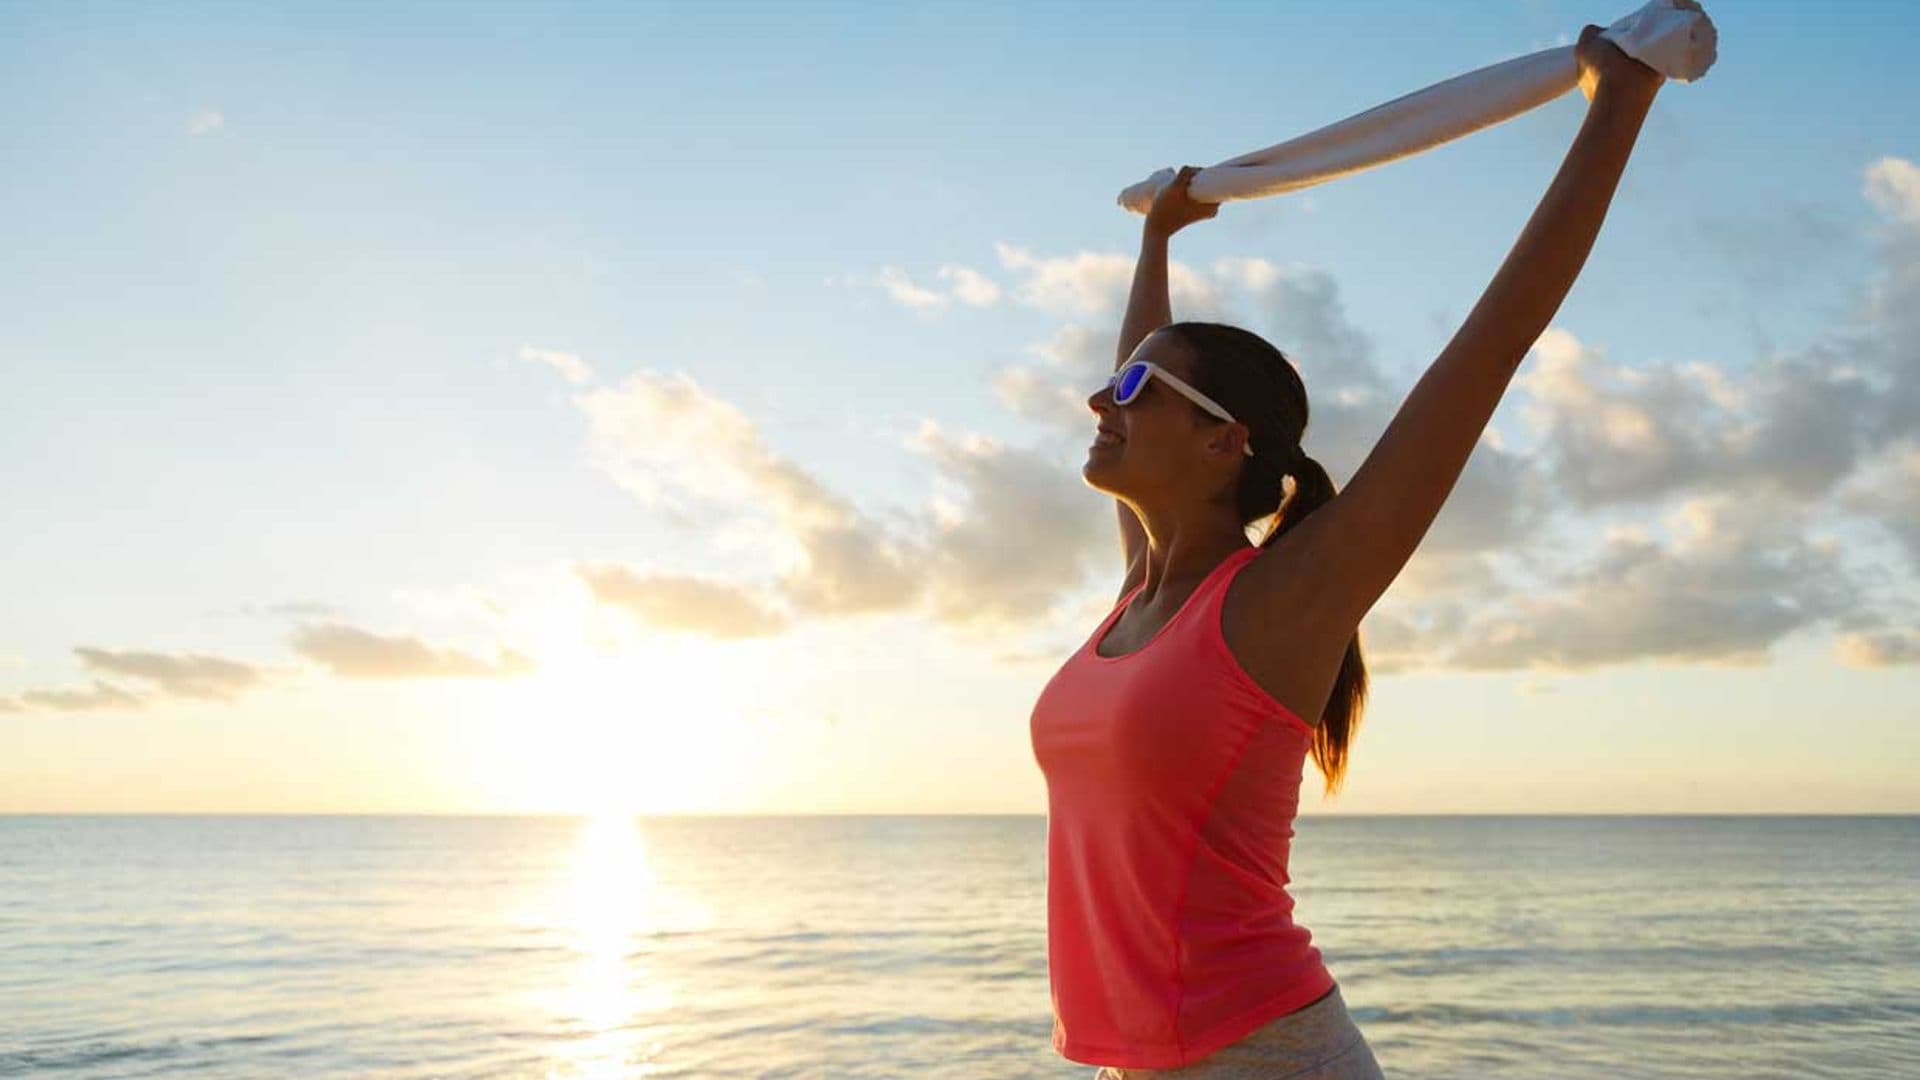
point(282, 280)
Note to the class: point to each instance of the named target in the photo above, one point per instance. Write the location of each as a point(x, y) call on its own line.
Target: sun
point(618, 720)
point(615, 736)
point(651, 731)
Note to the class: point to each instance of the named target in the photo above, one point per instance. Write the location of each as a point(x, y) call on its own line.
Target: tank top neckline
point(1099, 635)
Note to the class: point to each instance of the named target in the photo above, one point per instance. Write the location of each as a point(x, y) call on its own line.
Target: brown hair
point(1258, 384)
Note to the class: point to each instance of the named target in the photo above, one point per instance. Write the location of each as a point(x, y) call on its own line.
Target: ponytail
point(1312, 489)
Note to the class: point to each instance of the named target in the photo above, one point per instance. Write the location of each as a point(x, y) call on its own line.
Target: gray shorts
point(1319, 1042)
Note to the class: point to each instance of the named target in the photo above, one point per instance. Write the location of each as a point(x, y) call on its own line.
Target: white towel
point(1674, 37)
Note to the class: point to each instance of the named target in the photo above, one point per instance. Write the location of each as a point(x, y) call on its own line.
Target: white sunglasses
point(1132, 378)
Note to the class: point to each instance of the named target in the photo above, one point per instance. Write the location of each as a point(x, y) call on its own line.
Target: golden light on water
point(611, 902)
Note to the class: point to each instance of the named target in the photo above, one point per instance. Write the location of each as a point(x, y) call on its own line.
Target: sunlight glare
point(616, 724)
point(614, 901)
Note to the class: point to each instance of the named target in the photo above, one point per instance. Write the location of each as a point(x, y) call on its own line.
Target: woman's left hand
point(1174, 208)
point(1601, 61)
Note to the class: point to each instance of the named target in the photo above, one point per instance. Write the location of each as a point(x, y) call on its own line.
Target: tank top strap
point(1204, 610)
point(1228, 569)
point(1201, 607)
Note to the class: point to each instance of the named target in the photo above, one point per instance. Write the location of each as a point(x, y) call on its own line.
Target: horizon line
point(932, 814)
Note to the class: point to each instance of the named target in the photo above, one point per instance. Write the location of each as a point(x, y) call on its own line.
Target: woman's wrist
point(1627, 91)
point(1627, 77)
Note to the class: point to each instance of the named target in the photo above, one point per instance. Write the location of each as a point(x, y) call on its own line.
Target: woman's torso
point(1173, 780)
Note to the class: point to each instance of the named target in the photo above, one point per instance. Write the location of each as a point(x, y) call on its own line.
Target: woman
point(1174, 740)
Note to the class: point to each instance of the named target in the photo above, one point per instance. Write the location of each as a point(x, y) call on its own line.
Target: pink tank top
point(1172, 783)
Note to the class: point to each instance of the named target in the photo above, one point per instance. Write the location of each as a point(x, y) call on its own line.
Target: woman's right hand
point(1601, 61)
point(1174, 208)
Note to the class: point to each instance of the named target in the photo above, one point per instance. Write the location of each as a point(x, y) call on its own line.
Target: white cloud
point(1887, 489)
point(852, 566)
point(996, 556)
point(206, 122)
point(192, 675)
point(1021, 537)
point(1302, 310)
point(1029, 394)
point(901, 289)
point(569, 365)
point(101, 695)
point(665, 439)
point(1077, 360)
point(1615, 433)
point(970, 286)
point(1893, 185)
point(964, 285)
point(353, 653)
point(1887, 342)
point(679, 602)
point(675, 446)
point(1877, 649)
point(1084, 284)
point(293, 607)
point(1092, 283)
point(1736, 575)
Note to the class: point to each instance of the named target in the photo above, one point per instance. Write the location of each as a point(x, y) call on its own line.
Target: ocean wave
point(1645, 1014)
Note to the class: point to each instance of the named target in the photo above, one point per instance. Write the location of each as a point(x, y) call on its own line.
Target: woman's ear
point(1227, 441)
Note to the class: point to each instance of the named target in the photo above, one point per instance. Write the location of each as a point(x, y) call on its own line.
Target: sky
point(680, 409)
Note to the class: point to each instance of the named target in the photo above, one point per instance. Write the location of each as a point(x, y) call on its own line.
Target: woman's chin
point(1096, 470)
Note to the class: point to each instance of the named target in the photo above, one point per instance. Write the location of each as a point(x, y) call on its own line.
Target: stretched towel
point(1673, 37)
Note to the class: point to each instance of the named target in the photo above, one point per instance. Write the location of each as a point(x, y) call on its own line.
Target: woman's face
point(1160, 441)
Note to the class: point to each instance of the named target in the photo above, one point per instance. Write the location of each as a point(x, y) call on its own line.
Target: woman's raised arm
point(1377, 521)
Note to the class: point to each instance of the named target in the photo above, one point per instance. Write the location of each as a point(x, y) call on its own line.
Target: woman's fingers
point(1175, 207)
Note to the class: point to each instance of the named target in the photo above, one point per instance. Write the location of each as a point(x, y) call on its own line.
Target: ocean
point(229, 946)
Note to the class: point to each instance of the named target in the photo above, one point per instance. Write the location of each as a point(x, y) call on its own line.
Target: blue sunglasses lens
point(1131, 379)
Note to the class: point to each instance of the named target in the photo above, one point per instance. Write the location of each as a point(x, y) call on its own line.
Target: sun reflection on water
point(611, 1009)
